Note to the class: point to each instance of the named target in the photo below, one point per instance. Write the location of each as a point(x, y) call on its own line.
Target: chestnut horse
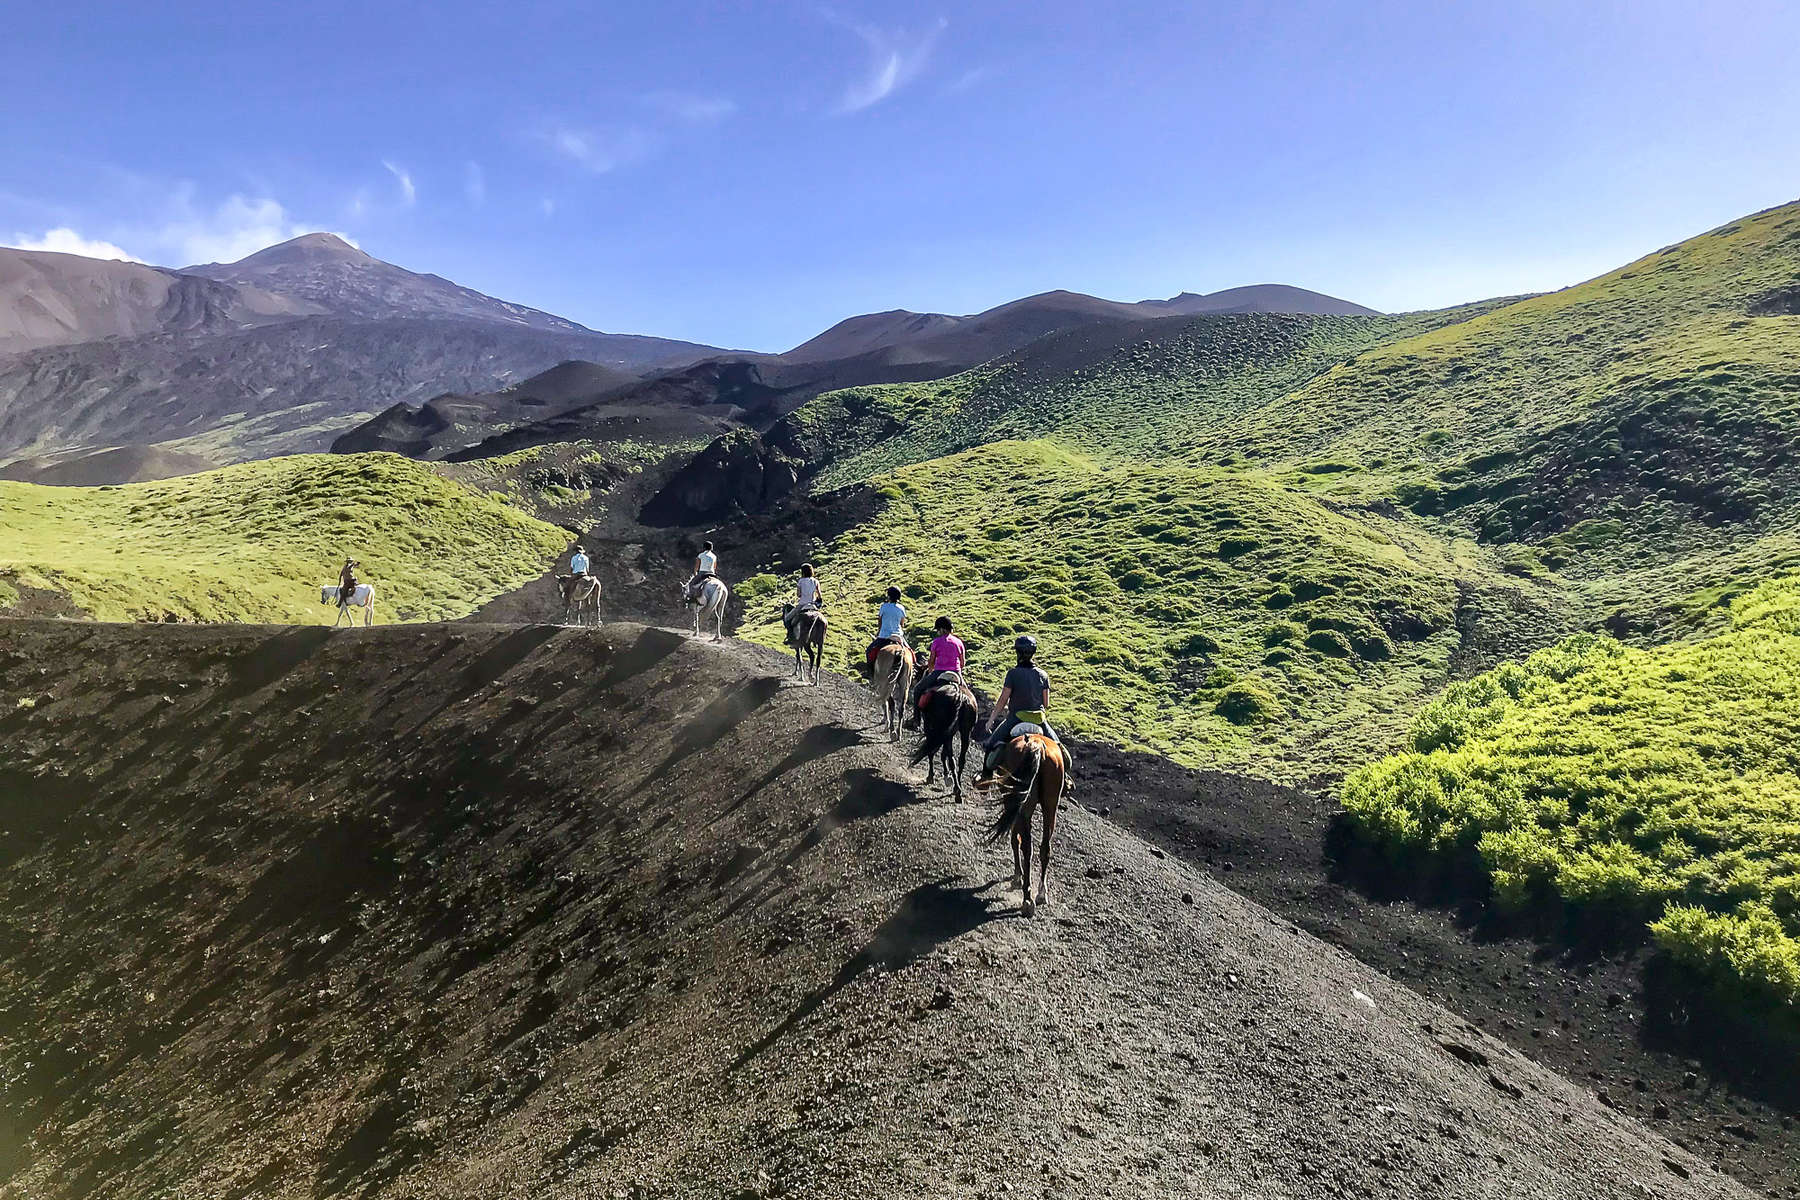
point(1031, 772)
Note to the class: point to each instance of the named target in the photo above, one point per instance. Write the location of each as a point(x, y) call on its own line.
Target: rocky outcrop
point(739, 473)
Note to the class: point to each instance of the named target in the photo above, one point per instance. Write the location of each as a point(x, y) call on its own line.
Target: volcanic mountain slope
point(48, 299)
point(474, 911)
point(94, 468)
point(451, 422)
point(378, 335)
point(325, 270)
point(292, 387)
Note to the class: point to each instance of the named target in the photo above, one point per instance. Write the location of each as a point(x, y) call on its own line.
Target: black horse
point(947, 712)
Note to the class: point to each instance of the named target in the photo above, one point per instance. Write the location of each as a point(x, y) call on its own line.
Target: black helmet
point(893, 595)
point(1025, 645)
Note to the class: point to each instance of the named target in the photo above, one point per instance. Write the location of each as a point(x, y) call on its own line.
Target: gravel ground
point(477, 910)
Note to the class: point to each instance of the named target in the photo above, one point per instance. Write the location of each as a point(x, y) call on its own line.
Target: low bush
point(1661, 785)
point(1247, 702)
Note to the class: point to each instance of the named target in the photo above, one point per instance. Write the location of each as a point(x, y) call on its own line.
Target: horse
point(806, 631)
point(1030, 774)
point(581, 594)
point(363, 598)
point(946, 711)
point(893, 680)
point(710, 599)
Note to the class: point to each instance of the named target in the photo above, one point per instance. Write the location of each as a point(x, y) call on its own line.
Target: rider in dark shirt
point(1026, 689)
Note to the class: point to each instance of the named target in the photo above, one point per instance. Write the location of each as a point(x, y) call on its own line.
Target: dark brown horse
point(806, 631)
point(1030, 778)
point(946, 712)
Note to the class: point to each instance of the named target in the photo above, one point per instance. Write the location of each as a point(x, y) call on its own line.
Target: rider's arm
point(1000, 703)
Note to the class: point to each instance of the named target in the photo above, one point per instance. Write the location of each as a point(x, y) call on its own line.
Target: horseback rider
point(1024, 700)
point(807, 598)
point(706, 564)
point(578, 562)
point(347, 583)
point(947, 661)
point(892, 628)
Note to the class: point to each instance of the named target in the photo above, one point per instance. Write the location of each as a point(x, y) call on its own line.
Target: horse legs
point(369, 612)
point(1022, 853)
point(1048, 804)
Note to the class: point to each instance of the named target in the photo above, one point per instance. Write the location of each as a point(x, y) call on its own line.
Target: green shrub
point(1247, 702)
point(1329, 642)
point(1282, 633)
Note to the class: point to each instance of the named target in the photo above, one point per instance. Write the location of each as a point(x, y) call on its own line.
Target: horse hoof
point(1026, 909)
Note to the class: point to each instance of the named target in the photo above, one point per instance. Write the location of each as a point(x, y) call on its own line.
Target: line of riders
point(1023, 706)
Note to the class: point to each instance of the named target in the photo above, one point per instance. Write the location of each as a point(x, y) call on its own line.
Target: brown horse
point(946, 711)
point(581, 596)
point(893, 679)
point(806, 631)
point(1030, 775)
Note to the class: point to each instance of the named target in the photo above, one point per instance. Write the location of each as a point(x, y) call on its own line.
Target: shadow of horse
point(928, 916)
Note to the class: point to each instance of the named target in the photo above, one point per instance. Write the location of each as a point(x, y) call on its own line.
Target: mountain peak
point(308, 247)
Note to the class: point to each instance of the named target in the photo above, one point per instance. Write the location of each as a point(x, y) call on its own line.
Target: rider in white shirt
point(807, 597)
point(578, 562)
point(706, 566)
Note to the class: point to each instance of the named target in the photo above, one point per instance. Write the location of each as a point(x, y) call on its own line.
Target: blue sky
point(745, 174)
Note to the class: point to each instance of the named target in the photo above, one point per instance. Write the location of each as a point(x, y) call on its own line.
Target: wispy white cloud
point(237, 226)
point(63, 240)
point(973, 77)
point(689, 107)
point(896, 58)
point(599, 151)
point(408, 193)
point(475, 184)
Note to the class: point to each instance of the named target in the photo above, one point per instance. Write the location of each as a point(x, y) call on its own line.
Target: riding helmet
point(1025, 645)
point(893, 595)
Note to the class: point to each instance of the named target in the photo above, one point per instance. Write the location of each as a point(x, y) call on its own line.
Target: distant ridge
point(1007, 327)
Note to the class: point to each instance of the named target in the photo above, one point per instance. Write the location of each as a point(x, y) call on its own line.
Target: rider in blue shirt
point(578, 562)
point(892, 628)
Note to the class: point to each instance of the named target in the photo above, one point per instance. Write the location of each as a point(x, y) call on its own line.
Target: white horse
point(364, 598)
point(710, 601)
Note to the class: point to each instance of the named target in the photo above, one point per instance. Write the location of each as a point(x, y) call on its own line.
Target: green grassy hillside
point(1210, 615)
point(254, 541)
point(1152, 390)
point(1661, 784)
point(1644, 417)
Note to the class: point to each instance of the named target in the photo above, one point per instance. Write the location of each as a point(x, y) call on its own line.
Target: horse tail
point(1014, 797)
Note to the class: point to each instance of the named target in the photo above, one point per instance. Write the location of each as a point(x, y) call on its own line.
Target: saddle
point(950, 683)
point(875, 647)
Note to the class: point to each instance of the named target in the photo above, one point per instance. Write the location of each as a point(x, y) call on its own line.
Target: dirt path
point(484, 910)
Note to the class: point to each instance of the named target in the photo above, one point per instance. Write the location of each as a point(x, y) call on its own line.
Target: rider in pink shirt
point(947, 658)
point(946, 650)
